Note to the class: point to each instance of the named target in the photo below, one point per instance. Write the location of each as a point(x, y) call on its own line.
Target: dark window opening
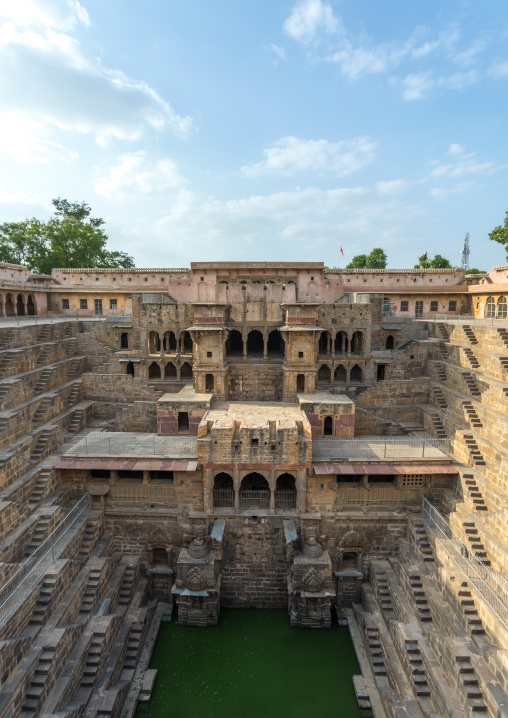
point(323, 343)
point(382, 479)
point(300, 382)
point(186, 371)
point(340, 374)
point(275, 346)
point(124, 340)
point(434, 306)
point(254, 442)
point(129, 369)
point(234, 344)
point(170, 371)
point(255, 343)
point(404, 306)
point(381, 368)
point(99, 473)
point(154, 371)
point(208, 355)
point(132, 475)
point(223, 491)
point(209, 383)
point(300, 355)
point(254, 492)
point(160, 556)
point(328, 426)
point(162, 476)
point(452, 306)
point(389, 342)
point(65, 304)
point(183, 422)
point(186, 340)
point(350, 560)
point(356, 375)
point(285, 492)
point(324, 374)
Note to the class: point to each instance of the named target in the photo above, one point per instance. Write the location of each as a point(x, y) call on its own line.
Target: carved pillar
point(236, 486)
point(146, 477)
point(272, 483)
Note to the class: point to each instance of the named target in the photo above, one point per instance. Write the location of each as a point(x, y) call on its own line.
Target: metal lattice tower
point(465, 253)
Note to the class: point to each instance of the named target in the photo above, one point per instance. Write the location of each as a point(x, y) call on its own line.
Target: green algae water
point(253, 665)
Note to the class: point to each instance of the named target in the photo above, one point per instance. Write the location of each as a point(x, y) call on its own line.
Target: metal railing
point(485, 582)
point(255, 498)
point(131, 444)
point(142, 493)
point(380, 448)
point(21, 582)
point(285, 498)
point(223, 498)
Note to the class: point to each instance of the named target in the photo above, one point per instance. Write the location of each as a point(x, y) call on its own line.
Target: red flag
point(341, 251)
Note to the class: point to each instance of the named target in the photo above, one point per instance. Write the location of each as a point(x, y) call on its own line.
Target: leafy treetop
point(377, 259)
point(438, 262)
point(500, 234)
point(69, 239)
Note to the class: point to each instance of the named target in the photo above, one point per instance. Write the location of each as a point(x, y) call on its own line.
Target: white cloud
point(134, 175)
point(26, 140)
point(291, 154)
point(466, 164)
point(279, 52)
point(456, 149)
point(308, 18)
point(444, 192)
point(7, 197)
point(357, 56)
point(390, 187)
point(271, 224)
point(57, 14)
point(50, 80)
point(499, 70)
point(416, 85)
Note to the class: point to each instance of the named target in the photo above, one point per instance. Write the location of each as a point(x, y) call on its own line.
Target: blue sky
point(248, 130)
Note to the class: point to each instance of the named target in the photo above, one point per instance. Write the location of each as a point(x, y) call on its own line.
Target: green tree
point(375, 260)
point(438, 262)
point(358, 262)
point(500, 234)
point(476, 271)
point(69, 239)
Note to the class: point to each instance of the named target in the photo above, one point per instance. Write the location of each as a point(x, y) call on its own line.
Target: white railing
point(130, 444)
point(468, 319)
point(380, 448)
point(485, 582)
point(31, 570)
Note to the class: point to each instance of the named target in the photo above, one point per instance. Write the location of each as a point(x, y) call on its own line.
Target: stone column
point(113, 477)
point(265, 348)
point(178, 370)
point(244, 347)
point(208, 491)
point(272, 483)
point(301, 490)
point(349, 340)
point(236, 486)
point(146, 477)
